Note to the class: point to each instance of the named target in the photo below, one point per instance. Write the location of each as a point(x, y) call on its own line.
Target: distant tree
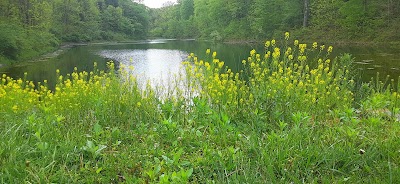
point(186, 9)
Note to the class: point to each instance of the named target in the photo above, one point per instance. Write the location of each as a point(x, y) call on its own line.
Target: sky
point(156, 3)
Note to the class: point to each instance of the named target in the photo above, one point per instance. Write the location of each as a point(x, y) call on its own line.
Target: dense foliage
point(31, 27)
point(257, 19)
point(291, 116)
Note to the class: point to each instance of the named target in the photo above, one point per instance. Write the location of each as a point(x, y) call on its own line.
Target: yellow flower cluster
point(215, 82)
point(294, 79)
point(73, 92)
point(287, 36)
point(17, 95)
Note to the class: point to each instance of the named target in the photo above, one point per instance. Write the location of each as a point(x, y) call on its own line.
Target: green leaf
point(167, 160)
point(97, 129)
point(43, 146)
point(198, 133)
point(99, 149)
point(99, 170)
point(157, 169)
point(189, 172)
point(185, 163)
point(60, 118)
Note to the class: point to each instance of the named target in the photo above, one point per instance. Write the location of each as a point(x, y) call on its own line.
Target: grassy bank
point(288, 117)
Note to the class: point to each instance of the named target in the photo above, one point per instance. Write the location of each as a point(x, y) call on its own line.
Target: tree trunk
point(306, 12)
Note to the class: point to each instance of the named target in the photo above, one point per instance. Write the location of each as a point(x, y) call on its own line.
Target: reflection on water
point(154, 65)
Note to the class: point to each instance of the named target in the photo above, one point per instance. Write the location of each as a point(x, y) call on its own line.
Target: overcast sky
point(156, 3)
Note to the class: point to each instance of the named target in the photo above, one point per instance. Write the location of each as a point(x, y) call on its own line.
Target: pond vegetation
point(294, 114)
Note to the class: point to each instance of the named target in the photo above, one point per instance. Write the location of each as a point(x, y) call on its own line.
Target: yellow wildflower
point(15, 108)
point(328, 61)
point(207, 65)
point(214, 55)
point(253, 52)
point(221, 64)
point(287, 35)
point(258, 57)
point(315, 45)
point(277, 53)
point(267, 43)
point(208, 51)
point(330, 49)
point(267, 54)
point(302, 48)
point(302, 58)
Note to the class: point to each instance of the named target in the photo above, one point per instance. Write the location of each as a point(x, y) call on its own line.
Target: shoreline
point(330, 42)
point(49, 55)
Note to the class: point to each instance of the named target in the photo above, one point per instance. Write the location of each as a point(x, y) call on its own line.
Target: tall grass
point(290, 116)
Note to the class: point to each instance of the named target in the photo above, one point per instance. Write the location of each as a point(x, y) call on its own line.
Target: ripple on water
point(362, 63)
point(367, 60)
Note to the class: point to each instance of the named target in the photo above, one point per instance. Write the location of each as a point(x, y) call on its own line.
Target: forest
point(356, 20)
point(29, 28)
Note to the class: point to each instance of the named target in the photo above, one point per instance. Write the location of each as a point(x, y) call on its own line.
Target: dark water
point(155, 59)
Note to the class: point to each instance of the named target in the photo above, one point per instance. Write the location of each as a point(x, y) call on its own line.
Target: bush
point(18, 44)
point(10, 41)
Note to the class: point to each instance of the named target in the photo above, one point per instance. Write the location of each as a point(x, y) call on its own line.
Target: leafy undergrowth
point(293, 115)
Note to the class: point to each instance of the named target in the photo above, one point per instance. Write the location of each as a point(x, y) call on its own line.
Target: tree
point(138, 17)
point(168, 3)
point(186, 9)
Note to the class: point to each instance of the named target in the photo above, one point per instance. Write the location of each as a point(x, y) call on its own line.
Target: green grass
point(220, 128)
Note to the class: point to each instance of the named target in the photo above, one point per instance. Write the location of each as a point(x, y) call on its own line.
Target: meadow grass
point(286, 118)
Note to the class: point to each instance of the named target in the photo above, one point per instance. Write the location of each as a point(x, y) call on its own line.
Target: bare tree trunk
point(306, 12)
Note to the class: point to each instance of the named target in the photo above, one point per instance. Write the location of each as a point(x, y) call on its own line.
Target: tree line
point(31, 27)
point(259, 19)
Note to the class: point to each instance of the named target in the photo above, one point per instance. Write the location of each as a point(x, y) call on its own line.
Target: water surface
point(158, 60)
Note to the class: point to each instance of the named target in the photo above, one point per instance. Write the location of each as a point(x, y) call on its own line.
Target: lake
point(155, 59)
